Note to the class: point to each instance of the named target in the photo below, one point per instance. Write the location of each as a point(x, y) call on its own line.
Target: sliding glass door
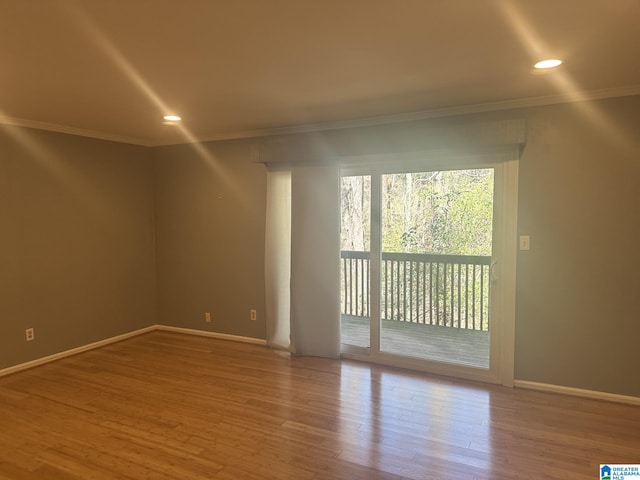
point(420, 256)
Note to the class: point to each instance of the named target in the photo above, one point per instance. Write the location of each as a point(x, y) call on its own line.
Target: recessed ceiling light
point(172, 118)
point(549, 63)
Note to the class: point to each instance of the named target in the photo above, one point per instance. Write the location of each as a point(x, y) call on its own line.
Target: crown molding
point(568, 97)
point(80, 132)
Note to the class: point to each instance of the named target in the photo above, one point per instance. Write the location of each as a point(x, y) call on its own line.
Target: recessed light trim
point(172, 118)
point(548, 63)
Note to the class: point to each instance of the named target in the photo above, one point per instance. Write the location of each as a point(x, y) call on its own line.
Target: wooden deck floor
point(167, 406)
point(430, 342)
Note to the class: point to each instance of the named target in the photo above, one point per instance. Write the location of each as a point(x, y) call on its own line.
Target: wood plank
point(170, 406)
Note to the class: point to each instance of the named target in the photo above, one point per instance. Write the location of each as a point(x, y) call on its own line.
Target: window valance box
point(355, 144)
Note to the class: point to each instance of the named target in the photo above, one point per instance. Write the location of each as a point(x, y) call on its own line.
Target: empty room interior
point(319, 240)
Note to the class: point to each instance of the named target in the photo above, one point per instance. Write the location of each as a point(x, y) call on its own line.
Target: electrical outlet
point(30, 334)
point(253, 315)
point(207, 317)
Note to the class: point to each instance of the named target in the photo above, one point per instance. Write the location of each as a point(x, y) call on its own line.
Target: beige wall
point(80, 226)
point(76, 242)
point(210, 220)
point(578, 307)
point(577, 321)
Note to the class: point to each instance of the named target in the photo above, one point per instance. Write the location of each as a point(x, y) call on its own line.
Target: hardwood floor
point(171, 406)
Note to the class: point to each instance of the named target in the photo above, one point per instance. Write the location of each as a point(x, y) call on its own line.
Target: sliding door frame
point(504, 161)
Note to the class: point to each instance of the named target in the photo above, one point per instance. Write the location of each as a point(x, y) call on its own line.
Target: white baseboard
point(124, 336)
point(577, 392)
point(74, 351)
point(220, 336)
point(544, 387)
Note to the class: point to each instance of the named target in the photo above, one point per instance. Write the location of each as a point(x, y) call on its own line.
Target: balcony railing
point(445, 290)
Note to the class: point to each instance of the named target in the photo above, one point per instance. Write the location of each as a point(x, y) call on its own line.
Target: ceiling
point(233, 68)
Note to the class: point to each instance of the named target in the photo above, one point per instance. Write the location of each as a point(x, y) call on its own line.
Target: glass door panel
point(355, 261)
point(436, 233)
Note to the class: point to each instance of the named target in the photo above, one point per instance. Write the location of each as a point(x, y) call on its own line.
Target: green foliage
point(445, 213)
point(438, 212)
